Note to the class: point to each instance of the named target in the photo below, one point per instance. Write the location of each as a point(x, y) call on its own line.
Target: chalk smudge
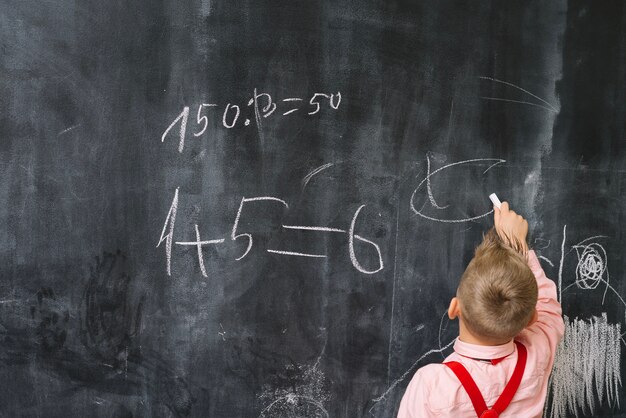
point(304, 396)
point(110, 322)
point(52, 323)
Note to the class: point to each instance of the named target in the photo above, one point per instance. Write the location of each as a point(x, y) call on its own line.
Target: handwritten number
point(234, 236)
point(237, 111)
point(169, 220)
point(351, 237)
point(332, 99)
point(314, 102)
point(183, 117)
point(203, 119)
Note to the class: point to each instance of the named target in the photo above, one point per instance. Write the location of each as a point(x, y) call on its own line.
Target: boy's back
point(435, 391)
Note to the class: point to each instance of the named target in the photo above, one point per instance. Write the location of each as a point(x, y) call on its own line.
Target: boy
point(509, 326)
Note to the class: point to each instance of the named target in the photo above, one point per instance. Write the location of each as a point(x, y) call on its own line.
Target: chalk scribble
point(586, 371)
point(592, 266)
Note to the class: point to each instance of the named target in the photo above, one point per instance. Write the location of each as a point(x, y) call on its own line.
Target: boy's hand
point(511, 227)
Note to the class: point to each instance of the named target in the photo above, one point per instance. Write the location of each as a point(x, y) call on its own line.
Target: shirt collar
point(486, 352)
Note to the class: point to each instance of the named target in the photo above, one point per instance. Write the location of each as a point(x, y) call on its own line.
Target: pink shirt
point(435, 391)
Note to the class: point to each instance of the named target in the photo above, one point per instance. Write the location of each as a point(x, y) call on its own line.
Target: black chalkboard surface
point(262, 209)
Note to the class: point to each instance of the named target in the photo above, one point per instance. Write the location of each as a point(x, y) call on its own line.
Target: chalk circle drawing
point(592, 266)
point(425, 187)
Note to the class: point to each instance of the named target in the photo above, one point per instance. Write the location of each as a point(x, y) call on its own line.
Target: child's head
point(497, 292)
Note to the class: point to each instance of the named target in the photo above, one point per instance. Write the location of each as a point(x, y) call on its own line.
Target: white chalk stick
point(495, 200)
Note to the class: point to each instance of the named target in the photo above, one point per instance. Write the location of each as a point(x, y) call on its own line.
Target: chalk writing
point(351, 236)
point(169, 220)
point(262, 106)
point(293, 109)
point(167, 234)
point(202, 119)
point(234, 236)
point(199, 243)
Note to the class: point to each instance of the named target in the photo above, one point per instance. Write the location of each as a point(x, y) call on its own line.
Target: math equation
point(260, 106)
point(255, 110)
point(237, 233)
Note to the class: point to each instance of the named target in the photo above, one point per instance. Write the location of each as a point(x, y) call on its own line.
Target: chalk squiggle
point(592, 266)
point(309, 176)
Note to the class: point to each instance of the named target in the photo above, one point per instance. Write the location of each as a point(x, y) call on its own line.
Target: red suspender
point(470, 386)
point(509, 390)
point(507, 394)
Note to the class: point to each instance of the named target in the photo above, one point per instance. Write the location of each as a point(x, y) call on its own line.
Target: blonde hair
point(498, 291)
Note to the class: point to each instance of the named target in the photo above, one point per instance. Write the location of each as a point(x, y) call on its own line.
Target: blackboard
point(262, 209)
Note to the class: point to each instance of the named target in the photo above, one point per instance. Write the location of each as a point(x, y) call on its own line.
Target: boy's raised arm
point(549, 318)
point(513, 229)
